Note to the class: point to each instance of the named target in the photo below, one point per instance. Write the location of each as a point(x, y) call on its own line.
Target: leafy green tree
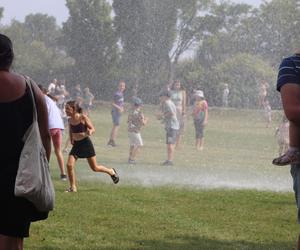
point(242, 73)
point(43, 28)
point(147, 32)
point(90, 39)
point(33, 57)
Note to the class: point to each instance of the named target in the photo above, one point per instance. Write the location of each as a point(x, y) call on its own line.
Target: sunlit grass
point(128, 216)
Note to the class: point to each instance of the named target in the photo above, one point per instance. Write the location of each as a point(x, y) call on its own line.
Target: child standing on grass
point(80, 129)
point(169, 118)
point(288, 83)
point(135, 122)
point(200, 115)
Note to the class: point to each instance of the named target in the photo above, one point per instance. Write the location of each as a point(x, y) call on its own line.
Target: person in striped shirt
point(288, 84)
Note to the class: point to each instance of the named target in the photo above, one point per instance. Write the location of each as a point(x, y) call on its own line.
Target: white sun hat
point(199, 93)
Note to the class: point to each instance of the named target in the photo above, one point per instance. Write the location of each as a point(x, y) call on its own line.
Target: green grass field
point(156, 214)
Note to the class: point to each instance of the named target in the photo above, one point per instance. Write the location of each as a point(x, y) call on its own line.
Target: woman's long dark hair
point(75, 105)
point(6, 52)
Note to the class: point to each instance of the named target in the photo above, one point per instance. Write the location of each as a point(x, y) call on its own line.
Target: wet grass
point(125, 216)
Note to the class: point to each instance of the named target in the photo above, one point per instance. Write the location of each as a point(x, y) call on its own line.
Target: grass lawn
point(131, 215)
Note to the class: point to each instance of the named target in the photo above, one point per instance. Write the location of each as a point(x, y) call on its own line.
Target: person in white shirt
point(56, 126)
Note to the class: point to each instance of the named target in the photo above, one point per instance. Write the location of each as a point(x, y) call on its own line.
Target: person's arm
point(89, 124)
point(205, 114)
point(290, 96)
point(42, 117)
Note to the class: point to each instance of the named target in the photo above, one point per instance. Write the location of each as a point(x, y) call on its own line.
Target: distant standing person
point(225, 95)
point(262, 95)
point(88, 99)
point(16, 109)
point(136, 120)
point(169, 118)
point(178, 97)
point(116, 112)
point(200, 115)
point(81, 128)
point(56, 126)
point(268, 113)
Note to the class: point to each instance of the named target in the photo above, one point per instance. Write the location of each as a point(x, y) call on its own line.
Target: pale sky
point(18, 9)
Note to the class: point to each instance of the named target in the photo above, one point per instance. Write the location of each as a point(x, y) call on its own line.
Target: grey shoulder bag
point(33, 180)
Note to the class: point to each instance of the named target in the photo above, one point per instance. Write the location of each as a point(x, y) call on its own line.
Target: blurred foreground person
point(116, 112)
point(16, 109)
point(80, 129)
point(288, 84)
point(178, 97)
point(56, 127)
point(169, 118)
point(200, 115)
point(136, 120)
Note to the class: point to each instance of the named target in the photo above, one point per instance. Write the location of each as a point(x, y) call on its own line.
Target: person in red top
point(200, 115)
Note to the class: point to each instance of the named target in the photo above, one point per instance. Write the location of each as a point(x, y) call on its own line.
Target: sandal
point(70, 190)
point(115, 177)
point(290, 157)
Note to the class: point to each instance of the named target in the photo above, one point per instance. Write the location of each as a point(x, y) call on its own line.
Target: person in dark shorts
point(169, 118)
point(80, 129)
point(116, 112)
point(16, 109)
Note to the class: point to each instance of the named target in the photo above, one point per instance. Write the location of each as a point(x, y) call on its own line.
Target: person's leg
point(295, 173)
point(10, 243)
point(131, 148)
point(57, 141)
point(99, 168)
point(135, 152)
point(71, 173)
point(114, 132)
point(170, 152)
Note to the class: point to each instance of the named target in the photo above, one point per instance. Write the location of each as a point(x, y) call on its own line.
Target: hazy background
point(54, 8)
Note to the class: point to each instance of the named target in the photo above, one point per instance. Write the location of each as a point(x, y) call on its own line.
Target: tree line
point(150, 43)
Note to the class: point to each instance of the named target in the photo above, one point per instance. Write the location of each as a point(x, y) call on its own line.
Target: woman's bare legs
point(99, 168)
point(71, 173)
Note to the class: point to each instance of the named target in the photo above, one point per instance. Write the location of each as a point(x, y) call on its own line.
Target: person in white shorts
point(136, 120)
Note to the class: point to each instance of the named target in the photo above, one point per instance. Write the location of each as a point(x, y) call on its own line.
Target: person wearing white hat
point(200, 115)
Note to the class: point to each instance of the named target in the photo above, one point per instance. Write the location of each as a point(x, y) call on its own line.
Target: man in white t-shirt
point(56, 126)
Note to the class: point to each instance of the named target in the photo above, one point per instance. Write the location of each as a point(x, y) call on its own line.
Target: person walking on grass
point(56, 126)
point(136, 120)
point(169, 118)
point(81, 128)
point(116, 112)
point(200, 115)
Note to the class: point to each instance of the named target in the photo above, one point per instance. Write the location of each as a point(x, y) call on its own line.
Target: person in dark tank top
point(80, 129)
point(16, 214)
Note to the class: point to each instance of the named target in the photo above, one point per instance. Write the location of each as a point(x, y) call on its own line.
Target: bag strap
point(29, 83)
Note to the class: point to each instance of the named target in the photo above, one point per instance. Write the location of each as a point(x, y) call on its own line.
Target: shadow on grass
point(185, 243)
point(190, 243)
